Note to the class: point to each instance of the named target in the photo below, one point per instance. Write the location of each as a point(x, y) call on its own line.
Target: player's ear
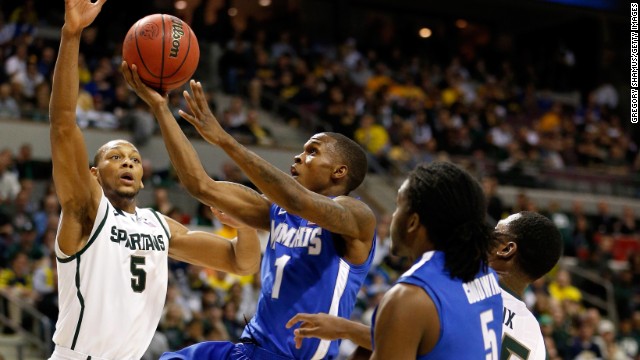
point(507, 250)
point(413, 222)
point(340, 171)
point(94, 171)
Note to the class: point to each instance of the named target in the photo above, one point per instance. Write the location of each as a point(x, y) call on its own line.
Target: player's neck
point(513, 284)
point(123, 203)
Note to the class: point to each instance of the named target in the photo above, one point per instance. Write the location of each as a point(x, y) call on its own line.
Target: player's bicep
point(75, 186)
point(342, 215)
point(397, 333)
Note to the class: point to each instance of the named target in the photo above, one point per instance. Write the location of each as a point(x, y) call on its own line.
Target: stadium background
point(531, 96)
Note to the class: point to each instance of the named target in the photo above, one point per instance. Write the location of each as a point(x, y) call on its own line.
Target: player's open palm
point(201, 116)
point(80, 13)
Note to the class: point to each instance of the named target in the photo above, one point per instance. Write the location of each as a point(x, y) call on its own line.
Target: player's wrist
point(71, 31)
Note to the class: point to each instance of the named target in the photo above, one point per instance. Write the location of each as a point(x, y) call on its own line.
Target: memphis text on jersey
point(137, 241)
point(481, 288)
point(297, 237)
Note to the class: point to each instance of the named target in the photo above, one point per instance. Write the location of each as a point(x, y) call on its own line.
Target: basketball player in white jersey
point(112, 255)
point(528, 246)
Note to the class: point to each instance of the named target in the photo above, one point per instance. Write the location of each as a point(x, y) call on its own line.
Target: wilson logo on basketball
point(150, 31)
point(176, 33)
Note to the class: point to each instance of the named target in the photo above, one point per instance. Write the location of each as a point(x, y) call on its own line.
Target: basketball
point(164, 49)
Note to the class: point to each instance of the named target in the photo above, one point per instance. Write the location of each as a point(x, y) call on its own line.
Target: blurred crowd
point(403, 109)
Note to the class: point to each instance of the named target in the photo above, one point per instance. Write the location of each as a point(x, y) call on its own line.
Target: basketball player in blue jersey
point(112, 256)
point(321, 240)
point(448, 304)
point(528, 246)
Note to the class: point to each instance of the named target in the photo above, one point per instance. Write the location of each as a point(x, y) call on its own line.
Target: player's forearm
point(358, 333)
point(247, 252)
point(64, 94)
point(183, 156)
point(278, 186)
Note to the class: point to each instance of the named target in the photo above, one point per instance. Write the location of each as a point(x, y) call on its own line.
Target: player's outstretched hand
point(322, 326)
point(147, 94)
point(78, 14)
point(201, 116)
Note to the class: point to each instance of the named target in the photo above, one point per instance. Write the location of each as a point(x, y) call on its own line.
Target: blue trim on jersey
point(302, 272)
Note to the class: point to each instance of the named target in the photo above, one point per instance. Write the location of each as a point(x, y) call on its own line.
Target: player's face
point(120, 169)
point(504, 235)
point(399, 219)
point(314, 166)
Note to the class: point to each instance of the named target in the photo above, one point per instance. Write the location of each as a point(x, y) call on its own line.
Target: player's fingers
point(296, 319)
point(195, 88)
point(99, 3)
point(190, 118)
point(198, 94)
point(191, 103)
point(124, 69)
point(298, 342)
point(305, 332)
point(135, 76)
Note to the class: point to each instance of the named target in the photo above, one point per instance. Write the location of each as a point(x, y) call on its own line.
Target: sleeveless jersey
point(111, 293)
point(302, 272)
point(521, 337)
point(470, 322)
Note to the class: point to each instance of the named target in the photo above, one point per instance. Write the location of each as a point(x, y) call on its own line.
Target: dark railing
point(39, 333)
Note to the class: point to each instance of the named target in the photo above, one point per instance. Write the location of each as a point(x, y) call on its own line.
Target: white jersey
point(521, 335)
point(112, 292)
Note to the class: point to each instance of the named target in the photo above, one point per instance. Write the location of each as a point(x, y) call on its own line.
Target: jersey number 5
point(511, 346)
point(139, 279)
point(489, 336)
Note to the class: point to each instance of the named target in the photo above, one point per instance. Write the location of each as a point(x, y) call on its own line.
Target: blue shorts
point(220, 350)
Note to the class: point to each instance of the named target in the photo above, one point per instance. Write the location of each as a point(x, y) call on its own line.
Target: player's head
point(526, 242)
point(118, 167)
point(441, 207)
point(330, 161)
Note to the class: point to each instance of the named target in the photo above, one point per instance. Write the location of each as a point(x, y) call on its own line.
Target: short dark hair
point(539, 243)
point(354, 157)
point(452, 207)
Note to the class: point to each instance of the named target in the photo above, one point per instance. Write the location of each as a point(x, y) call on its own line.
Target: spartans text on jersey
point(137, 241)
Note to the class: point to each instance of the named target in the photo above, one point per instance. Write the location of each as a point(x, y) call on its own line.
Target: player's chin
point(128, 193)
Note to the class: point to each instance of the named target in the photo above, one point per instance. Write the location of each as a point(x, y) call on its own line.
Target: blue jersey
point(302, 271)
point(470, 313)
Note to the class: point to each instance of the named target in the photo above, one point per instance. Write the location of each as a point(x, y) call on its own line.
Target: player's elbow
point(196, 186)
point(246, 268)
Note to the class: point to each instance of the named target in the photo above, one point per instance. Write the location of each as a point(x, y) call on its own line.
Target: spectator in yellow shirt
point(374, 138)
point(561, 288)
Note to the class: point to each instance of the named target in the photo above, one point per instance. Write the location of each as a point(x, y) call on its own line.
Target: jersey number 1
point(139, 279)
point(280, 263)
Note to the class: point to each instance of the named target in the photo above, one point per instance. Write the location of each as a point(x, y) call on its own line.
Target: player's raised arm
point(237, 200)
point(77, 190)
point(320, 199)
